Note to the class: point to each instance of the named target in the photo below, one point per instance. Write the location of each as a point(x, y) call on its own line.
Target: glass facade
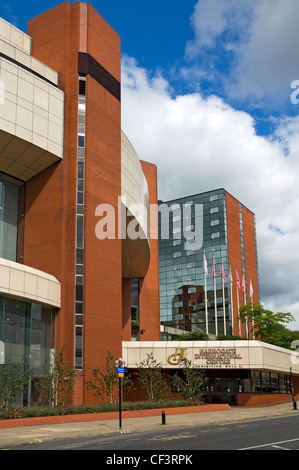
point(228, 386)
point(9, 206)
point(25, 335)
point(195, 228)
point(135, 308)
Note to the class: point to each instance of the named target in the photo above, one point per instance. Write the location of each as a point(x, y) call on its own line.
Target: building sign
point(175, 359)
point(208, 358)
point(218, 357)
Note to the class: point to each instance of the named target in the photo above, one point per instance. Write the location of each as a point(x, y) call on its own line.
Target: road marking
point(270, 444)
point(280, 447)
point(170, 438)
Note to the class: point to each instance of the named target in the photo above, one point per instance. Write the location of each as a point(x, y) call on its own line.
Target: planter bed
point(85, 417)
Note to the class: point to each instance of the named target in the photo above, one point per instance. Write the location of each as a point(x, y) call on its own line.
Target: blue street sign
point(120, 370)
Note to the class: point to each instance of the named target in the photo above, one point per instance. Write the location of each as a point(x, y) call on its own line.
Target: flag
point(250, 289)
point(238, 280)
point(205, 267)
point(222, 273)
point(213, 269)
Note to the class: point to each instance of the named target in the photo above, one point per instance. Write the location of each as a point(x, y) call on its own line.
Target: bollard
point(294, 405)
point(163, 417)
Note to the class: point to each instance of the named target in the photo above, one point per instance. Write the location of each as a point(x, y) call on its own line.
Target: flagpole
point(238, 302)
point(245, 302)
point(223, 299)
point(231, 298)
point(206, 299)
point(251, 294)
point(215, 299)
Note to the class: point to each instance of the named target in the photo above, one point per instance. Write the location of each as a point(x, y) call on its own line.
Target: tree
point(105, 381)
point(193, 336)
point(267, 326)
point(58, 381)
point(229, 338)
point(190, 382)
point(13, 383)
point(151, 379)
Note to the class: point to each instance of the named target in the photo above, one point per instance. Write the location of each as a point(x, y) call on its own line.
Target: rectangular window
point(9, 204)
point(79, 288)
point(81, 170)
point(80, 222)
point(79, 256)
point(80, 197)
point(78, 347)
point(79, 308)
point(81, 140)
point(191, 290)
point(82, 86)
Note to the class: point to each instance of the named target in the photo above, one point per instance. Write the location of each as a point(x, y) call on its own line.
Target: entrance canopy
point(229, 355)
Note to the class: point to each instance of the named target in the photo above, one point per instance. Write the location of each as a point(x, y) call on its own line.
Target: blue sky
point(206, 88)
point(158, 34)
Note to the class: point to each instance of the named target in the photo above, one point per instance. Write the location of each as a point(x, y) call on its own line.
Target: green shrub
point(34, 412)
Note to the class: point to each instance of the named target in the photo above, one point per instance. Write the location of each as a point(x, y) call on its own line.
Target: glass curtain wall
point(135, 308)
point(26, 335)
point(183, 281)
point(9, 205)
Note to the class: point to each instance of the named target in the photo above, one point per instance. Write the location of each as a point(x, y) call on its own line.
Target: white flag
point(205, 265)
point(251, 289)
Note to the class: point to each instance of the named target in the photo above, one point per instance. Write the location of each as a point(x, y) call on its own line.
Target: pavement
point(26, 435)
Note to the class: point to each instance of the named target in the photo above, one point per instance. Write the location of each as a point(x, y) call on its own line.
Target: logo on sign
point(175, 359)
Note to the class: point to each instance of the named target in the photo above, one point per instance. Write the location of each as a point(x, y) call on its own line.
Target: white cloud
point(259, 40)
point(202, 144)
point(268, 62)
point(212, 18)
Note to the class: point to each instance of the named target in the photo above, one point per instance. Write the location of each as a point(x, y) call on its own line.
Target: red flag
point(222, 273)
point(213, 269)
point(238, 280)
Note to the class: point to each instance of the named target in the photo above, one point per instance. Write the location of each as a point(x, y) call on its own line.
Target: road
point(260, 434)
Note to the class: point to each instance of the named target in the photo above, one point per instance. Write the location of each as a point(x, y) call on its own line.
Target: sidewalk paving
point(45, 433)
